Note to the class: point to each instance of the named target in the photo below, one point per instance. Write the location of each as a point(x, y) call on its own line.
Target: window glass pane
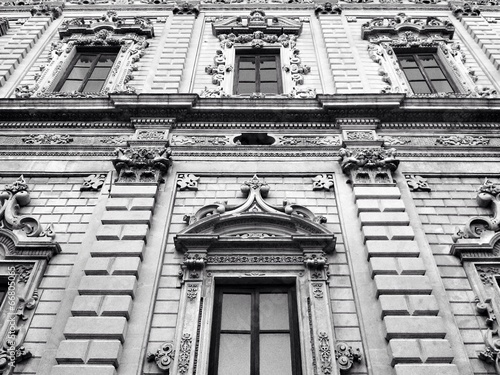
point(268, 76)
point(413, 74)
point(407, 62)
point(106, 60)
point(78, 73)
point(85, 60)
point(236, 311)
point(234, 354)
point(246, 76)
point(428, 60)
point(442, 86)
point(434, 73)
point(420, 87)
point(269, 87)
point(247, 63)
point(275, 356)
point(246, 88)
point(93, 86)
point(100, 73)
point(70, 86)
point(273, 311)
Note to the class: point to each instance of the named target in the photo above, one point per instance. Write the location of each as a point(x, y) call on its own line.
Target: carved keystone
point(142, 164)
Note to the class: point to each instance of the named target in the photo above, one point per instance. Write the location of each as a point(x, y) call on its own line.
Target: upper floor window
point(425, 73)
point(88, 71)
point(258, 72)
point(3, 290)
point(255, 331)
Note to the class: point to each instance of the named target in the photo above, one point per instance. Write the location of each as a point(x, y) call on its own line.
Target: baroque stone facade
point(249, 187)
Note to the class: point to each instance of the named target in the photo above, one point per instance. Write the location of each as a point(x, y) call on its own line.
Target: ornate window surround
point(405, 32)
point(257, 31)
point(127, 35)
point(260, 244)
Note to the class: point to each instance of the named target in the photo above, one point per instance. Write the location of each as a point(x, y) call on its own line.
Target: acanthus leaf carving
point(47, 139)
point(185, 353)
point(369, 166)
point(328, 8)
point(142, 164)
point(325, 353)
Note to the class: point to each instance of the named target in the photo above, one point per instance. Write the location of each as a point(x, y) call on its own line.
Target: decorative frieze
point(394, 141)
point(150, 135)
point(141, 164)
point(182, 140)
point(288, 140)
point(47, 139)
point(93, 182)
point(164, 356)
point(23, 272)
point(185, 353)
point(369, 166)
point(187, 181)
point(488, 273)
point(462, 140)
point(325, 353)
point(114, 140)
point(417, 183)
point(323, 182)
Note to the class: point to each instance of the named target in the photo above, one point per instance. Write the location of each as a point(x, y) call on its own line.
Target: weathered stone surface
point(89, 351)
point(408, 305)
point(117, 249)
point(388, 284)
point(106, 328)
point(414, 327)
point(420, 351)
point(108, 285)
point(397, 266)
point(392, 249)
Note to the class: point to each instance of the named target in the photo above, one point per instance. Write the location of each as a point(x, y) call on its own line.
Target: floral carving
point(164, 356)
point(187, 181)
point(359, 136)
point(323, 181)
point(192, 291)
point(346, 355)
point(317, 290)
point(20, 354)
point(12, 198)
point(394, 141)
point(327, 8)
point(309, 141)
point(488, 195)
point(145, 164)
point(368, 166)
point(113, 140)
point(182, 140)
point(325, 353)
point(488, 274)
point(296, 69)
point(93, 182)
point(150, 134)
point(185, 353)
point(219, 68)
point(491, 352)
point(23, 272)
point(302, 93)
point(47, 139)
point(462, 140)
point(217, 92)
point(417, 183)
point(186, 9)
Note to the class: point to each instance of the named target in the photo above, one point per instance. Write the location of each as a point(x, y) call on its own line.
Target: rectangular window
point(257, 72)
point(87, 72)
point(255, 331)
point(3, 290)
point(425, 73)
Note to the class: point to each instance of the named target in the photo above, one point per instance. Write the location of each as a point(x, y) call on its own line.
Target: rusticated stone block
point(109, 233)
point(380, 205)
point(106, 285)
point(392, 249)
point(126, 217)
point(408, 305)
point(87, 328)
point(102, 306)
point(388, 233)
point(387, 284)
point(117, 204)
point(397, 266)
point(420, 351)
point(384, 218)
point(407, 327)
point(133, 191)
point(142, 204)
point(105, 352)
point(83, 370)
point(117, 249)
point(373, 192)
point(427, 369)
point(113, 266)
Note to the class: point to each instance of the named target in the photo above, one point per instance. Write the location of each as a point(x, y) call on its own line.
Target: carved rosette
point(477, 227)
point(142, 164)
point(106, 31)
point(369, 166)
point(405, 32)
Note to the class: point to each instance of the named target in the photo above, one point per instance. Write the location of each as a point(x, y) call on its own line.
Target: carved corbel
point(142, 164)
point(192, 266)
point(479, 226)
point(164, 356)
point(369, 166)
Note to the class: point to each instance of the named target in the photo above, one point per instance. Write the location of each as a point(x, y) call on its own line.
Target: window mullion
point(423, 71)
point(89, 72)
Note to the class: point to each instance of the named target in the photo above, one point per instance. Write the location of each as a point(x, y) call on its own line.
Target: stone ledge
point(82, 370)
point(102, 306)
point(388, 284)
point(118, 249)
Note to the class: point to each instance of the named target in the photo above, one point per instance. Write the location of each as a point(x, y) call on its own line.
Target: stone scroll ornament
point(164, 356)
point(488, 195)
point(346, 355)
point(142, 164)
point(369, 166)
point(491, 352)
point(12, 198)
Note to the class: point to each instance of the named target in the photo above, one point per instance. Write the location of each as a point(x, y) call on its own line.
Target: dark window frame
point(257, 55)
point(255, 290)
point(417, 54)
point(99, 51)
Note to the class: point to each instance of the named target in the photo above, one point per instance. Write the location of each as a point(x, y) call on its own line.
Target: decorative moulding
point(142, 164)
point(127, 35)
point(369, 166)
point(405, 32)
point(462, 140)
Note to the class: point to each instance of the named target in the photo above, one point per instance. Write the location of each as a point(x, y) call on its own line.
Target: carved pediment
point(110, 22)
point(256, 21)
